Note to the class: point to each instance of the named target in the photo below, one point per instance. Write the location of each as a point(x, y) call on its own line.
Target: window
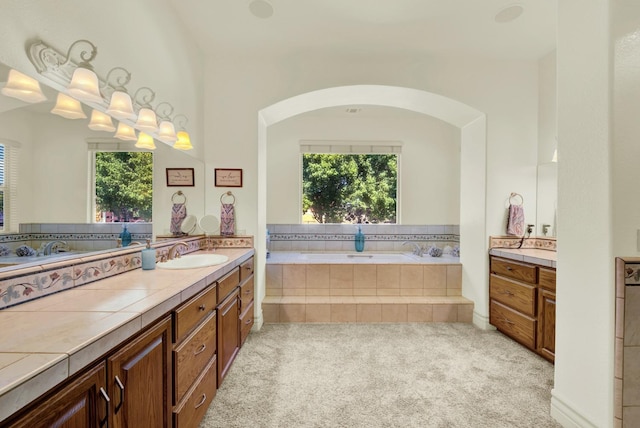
point(123, 183)
point(349, 188)
point(9, 151)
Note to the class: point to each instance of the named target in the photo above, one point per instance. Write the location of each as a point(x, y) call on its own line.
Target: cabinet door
point(546, 345)
point(228, 333)
point(80, 404)
point(140, 380)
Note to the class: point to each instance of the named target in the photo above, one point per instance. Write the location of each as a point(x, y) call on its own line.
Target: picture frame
point(180, 177)
point(228, 177)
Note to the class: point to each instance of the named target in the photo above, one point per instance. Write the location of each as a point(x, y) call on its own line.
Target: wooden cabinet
point(522, 303)
point(228, 333)
point(546, 340)
point(82, 403)
point(140, 380)
point(247, 292)
point(195, 358)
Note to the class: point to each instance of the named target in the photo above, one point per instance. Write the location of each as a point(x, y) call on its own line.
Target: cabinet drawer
point(548, 279)
point(246, 322)
point(192, 409)
point(227, 283)
point(246, 293)
point(519, 327)
point(192, 355)
point(246, 269)
point(189, 315)
point(515, 270)
point(517, 295)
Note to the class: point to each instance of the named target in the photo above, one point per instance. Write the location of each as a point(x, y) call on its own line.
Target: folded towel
point(227, 220)
point(515, 223)
point(178, 214)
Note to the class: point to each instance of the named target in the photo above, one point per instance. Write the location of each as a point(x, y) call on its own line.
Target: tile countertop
point(46, 340)
point(529, 255)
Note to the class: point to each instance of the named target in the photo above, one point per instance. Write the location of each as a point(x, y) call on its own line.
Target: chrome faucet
point(55, 247)
point(173, 250)
point(417, 249)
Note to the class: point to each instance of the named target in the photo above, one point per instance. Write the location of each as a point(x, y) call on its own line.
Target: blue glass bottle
point(359, 240)
point(125, 237)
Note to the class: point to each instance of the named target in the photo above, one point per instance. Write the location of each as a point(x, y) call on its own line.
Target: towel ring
point(179, 193)
point(513, 197)
point(228, 194)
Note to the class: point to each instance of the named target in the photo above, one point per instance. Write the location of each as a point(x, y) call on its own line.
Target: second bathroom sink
point(194, 261)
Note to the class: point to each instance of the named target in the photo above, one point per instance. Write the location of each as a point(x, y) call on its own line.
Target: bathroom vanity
point(143, 348)
point(522, 293)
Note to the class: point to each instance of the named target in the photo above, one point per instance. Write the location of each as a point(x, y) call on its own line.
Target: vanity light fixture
point(147, 120)
point(121, 105)
point(84, 84)
point(145, 141)
point(555, 156)
point(101, 122)
point(166, 129)
point(126, 132)
point(184, 140)
point(68, 107)
point(23, 87)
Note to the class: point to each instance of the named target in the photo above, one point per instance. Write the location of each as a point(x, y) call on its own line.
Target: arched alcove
point(472, 125)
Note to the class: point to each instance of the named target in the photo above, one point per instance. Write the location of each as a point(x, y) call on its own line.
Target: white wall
point(429, 166)
point(547, 108)
point(506, 91)
point(583, 391)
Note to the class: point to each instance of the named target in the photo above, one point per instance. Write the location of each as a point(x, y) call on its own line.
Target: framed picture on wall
point(228, 177)
point(180, 177)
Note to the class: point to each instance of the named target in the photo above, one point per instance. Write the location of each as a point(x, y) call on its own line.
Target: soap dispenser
point(148, 257)
point(125, 237)
point(359, 240)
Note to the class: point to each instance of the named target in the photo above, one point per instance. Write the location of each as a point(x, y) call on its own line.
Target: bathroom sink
point(194, 261)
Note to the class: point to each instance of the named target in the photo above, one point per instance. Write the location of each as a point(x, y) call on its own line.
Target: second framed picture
point(228, 177)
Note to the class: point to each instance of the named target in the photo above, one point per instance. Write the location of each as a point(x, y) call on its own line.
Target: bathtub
point(372, 257)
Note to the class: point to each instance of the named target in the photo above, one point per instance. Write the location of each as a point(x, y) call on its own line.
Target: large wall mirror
point(54, 170)
point(547, 197)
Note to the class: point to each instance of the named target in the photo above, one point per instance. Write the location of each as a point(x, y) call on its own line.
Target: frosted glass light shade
point(167, 132)
point(147, 120)
point(23, 87)
point(121, 106)
point(184, 141)
point(68, 107)
point(145, 141)
point(125, 132)
point(101, 122)
point(84, 86)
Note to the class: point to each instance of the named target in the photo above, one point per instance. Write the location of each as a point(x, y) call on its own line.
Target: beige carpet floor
point(383, 375)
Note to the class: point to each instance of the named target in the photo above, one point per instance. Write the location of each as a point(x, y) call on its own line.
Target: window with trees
point(349, 188)
point(123, 186)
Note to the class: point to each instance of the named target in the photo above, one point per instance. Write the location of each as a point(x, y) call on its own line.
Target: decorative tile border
point(369, 237)
point(23, 285)
point(515, 242)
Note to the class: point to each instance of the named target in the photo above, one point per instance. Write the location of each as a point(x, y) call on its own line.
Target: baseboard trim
point(566, 415)
point(482, 322)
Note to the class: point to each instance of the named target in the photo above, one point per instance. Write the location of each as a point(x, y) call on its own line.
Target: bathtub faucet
point(417, 249)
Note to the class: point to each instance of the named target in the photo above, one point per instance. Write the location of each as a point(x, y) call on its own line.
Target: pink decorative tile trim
point(514, 242)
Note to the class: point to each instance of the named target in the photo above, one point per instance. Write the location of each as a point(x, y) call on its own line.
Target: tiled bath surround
point(79, 236)
point(378, 237)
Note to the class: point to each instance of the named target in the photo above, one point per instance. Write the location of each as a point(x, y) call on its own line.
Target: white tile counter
point(46, 340)
point(528, 255)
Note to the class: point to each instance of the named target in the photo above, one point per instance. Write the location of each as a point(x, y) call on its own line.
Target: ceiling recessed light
point(509, 13)
point(261, 9)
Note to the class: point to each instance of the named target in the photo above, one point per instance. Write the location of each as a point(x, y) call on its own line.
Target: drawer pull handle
point(508, 321)
point(202, 400)
point(106, 398)
point(509, 268)
point(202, 307)
point(121, 388)
point(247, 322)
point(507, 292)
point(201, 349)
